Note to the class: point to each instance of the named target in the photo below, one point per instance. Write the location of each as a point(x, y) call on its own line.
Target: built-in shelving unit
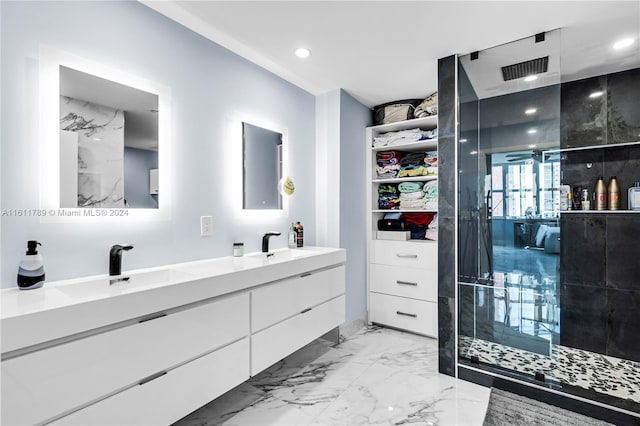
point(402, 276)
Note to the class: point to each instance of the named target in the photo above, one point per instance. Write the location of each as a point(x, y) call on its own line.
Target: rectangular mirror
point(262, 168)
point(105, 139)
point(108, 143)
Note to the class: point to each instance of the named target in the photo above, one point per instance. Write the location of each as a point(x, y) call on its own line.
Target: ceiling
point(380, 51)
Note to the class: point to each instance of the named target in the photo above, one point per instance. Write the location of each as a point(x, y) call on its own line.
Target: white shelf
point(430, 122)
point(406, 179)
point(600, 212)
point(404, 211)
point(423, 145)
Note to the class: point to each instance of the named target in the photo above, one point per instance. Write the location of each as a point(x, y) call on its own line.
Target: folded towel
point(410, 186)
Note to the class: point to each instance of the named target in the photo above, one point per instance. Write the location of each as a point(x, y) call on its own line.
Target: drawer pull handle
point(406, 314)
point(152, 318)
point(405, 255)
point(151, 377)
point(306, 274)
point(305, 311)
point(406, 283)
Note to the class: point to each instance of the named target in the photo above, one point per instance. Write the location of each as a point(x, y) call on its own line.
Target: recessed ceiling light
point(530, 111)
point(530, 78)
point(596, 94)
point(531, 131)
point(621, 44)
point(473, 152)
point(303, 53)
point(463, 140)
point(532, 146)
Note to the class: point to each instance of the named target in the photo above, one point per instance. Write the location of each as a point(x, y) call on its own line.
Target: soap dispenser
point(31, 269)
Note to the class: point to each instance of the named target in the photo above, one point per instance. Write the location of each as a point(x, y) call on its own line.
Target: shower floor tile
point(567, 366)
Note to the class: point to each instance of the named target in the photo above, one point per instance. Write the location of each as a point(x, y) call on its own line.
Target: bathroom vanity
point(154, 348)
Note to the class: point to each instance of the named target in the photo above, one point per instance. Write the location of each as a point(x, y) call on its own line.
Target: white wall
point(207, 82)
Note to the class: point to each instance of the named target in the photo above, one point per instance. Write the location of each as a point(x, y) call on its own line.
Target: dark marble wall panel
point(582, 168)
point(584, 313)
point(623, 112)
point(622, 326)
point(446, 336)
point(583, 255)
point(446, 213)
point(623, 266)
point(446, 257)
point(583, 119)
point(466, 310)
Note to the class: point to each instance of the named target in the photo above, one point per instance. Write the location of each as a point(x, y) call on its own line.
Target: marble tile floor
point(603, 374)
point(378, 376)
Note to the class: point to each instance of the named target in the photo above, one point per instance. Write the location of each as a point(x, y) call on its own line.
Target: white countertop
point(63, 308)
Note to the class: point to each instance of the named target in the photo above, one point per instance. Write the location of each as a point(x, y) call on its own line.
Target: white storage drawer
point(170, 397)
point(281, 300)
point(405, 282)
point(271, 345)
point(46, 383)
point(409, 314)
point(423, 254)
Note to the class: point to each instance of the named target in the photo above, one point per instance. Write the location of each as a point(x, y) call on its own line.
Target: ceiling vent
point(523, 69)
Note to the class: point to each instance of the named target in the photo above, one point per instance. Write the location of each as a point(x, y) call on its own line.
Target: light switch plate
point(206, 226)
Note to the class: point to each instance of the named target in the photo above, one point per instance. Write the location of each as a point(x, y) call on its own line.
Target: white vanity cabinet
point(44, 384)
point(287, 315)
point(188, 342)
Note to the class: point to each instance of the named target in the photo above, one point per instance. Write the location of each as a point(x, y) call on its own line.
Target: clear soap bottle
point(634, 196)
point(292, 237)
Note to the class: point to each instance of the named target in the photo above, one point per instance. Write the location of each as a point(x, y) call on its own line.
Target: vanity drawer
point(408, 314)
point(46, 383)
point(406, 282)
point(274, 343)
point(423, 254)
point(170, 397)
point(284, 299)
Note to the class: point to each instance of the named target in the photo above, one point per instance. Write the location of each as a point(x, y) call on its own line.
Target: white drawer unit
point(172, 395)
point(45, 383)
point(423, 254)
point(274, 343)
point(408, 314)
point(279, 301)
point(405, 282)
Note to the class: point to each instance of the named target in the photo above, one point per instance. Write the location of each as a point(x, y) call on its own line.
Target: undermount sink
point(282, 255)
point(123, 283)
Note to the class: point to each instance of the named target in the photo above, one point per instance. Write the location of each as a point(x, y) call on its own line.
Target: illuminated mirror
point(262, 167)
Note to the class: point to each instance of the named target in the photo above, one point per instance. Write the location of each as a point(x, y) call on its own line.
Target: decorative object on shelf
point(634, 197)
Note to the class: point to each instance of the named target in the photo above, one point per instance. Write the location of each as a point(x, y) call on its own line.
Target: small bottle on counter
point(613, 194)
point(634, 196)
point(299, 235)
point(238, 249)
point(600, 194)
point(292, 236)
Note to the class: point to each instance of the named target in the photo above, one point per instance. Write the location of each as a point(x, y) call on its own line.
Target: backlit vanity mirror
point(108, 143)
point(105, 139)
point(262, 167)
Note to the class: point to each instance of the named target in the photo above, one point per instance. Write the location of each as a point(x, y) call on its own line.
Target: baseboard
point(350, 328)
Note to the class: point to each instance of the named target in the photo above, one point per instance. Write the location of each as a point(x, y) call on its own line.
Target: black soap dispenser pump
point(31, 269)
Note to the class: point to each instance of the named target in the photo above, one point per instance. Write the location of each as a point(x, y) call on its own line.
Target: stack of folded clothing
point(419, 164)
point(403, 137)
point(432, 230)
point(418, 224)
point(388, 198)
point(388, 164)
point(430, 190)
point(411, 196)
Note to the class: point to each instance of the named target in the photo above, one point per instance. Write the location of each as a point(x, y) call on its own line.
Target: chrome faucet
point(265, 240)
point(115, 258)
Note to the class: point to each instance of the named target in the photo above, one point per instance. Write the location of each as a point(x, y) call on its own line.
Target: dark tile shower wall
point(446, 213)
point(599, 272)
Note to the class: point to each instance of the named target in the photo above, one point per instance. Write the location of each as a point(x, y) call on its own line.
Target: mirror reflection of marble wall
point(108, 143)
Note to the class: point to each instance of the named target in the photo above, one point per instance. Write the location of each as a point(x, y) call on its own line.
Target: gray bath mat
point(507, 409)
